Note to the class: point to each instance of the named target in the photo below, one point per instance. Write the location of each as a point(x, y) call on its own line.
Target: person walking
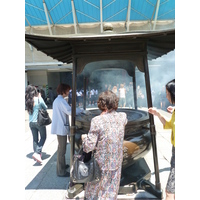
point(34, 101)
point(60, 126)
point(122, 95)
point(170, 95)
point(106, 135)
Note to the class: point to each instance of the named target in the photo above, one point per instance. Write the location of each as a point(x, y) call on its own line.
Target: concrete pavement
point(42, 183)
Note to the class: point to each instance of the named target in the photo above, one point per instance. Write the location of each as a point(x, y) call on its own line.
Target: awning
point(63, 48)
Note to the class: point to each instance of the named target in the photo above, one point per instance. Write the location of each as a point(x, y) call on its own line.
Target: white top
point(60, 117)
point(79, 93)
point(92, 92)
point(122, 92)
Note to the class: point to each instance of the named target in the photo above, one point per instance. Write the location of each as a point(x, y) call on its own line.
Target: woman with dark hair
point(34, 101)
point(60, 126)
point(106, 136)
point(170, 94)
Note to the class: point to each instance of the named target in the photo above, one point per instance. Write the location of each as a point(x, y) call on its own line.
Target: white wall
point(38, 78)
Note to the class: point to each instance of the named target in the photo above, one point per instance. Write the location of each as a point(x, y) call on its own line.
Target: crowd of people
point(125, 95)
point(123, 91)
point(106, 132)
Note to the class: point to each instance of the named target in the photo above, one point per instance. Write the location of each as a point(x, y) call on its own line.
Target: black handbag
point(85, 168)
point(43, 118)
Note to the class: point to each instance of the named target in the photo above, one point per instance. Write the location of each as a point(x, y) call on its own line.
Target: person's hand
point(153, 111)
point(86, 112)
point(170, 109)
point(83, 136)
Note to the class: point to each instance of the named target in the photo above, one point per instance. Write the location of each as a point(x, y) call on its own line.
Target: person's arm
point(42, 103)
point(80, 110)
point(155, 112)
point(89, 140)
point(66, 108)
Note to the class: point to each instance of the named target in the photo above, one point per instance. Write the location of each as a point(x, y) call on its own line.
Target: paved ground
point(41, 182)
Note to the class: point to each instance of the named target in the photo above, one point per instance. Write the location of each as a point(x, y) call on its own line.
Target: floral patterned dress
point(106, 135)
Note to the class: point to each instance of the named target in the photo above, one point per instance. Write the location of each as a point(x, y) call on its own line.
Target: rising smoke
point(161, 70)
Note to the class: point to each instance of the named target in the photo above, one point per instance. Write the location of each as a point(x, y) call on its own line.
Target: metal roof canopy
point(133, 47)
point(54, 13)
point(87, 49)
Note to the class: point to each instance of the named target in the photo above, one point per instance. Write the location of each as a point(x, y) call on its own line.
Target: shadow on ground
point(44, 155)
point(47, 178)
point(162, 170)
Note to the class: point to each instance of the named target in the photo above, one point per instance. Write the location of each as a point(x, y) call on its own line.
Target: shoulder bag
point(85, 168)
point(43, 118)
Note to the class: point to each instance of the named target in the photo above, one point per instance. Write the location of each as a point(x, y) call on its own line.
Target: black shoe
point(67, 174)
point(67, 166)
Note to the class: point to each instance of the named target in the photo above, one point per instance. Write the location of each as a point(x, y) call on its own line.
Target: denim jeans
point(35, 129)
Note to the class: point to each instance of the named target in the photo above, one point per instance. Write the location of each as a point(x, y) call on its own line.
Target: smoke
point(111, 77)
point(108, 72)
point(161, 71)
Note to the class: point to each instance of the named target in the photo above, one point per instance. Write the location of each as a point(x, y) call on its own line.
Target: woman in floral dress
point(106, 135)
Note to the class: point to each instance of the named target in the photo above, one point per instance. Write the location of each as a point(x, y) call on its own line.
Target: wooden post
point(73, 189)
point(73, 113)
point(84, 95)
point(134, 90)
point(152, 125)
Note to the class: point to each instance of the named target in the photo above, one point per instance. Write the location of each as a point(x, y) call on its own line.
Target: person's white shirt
point(79, 93)
point(92, 92)
point(60, 117)
point(122, 92)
